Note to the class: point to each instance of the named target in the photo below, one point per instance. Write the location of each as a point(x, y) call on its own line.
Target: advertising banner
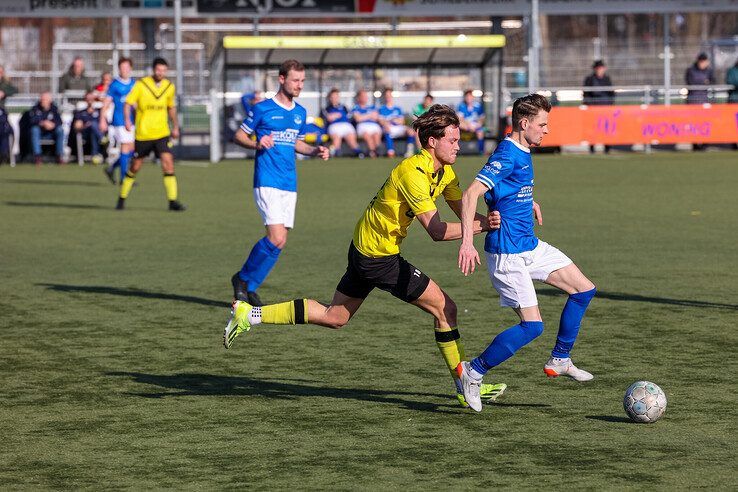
point(654, 124)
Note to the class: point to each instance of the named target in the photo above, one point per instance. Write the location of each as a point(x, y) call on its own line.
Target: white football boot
point(556, 367)
point(470, 386)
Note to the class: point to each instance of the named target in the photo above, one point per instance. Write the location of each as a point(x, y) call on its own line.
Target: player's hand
point(537, 213)
point(266, 142)
point(494, 219)
point(175, 132)
point(322, 152)
point(129, 126)
point(468, 259)
point(103, 126)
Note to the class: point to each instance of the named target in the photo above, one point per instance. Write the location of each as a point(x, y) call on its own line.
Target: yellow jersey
point(152, 103)
point(410, 190)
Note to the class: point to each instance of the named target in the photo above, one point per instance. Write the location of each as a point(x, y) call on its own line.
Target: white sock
point(255, 316)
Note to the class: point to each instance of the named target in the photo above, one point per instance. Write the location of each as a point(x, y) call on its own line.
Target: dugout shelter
point(323, 55)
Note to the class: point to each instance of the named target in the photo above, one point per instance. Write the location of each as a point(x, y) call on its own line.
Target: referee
point(153, 100)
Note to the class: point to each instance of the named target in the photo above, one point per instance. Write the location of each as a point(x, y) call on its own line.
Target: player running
point(116, 96)
point(279, 128)
point(153, 99)
point(516, 257)
point(374, 254)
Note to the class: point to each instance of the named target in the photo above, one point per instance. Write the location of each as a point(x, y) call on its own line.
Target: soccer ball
point(644, 402)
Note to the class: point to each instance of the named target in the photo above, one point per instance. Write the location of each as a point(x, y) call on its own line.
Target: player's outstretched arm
point(127, 116)
point(482, 223)
point(313, 151)
point(468, 255)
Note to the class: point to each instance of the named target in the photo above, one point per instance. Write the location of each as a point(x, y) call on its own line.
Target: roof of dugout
point(353, 51)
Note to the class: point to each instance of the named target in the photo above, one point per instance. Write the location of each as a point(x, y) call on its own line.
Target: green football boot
point(238, 323)
point(489, 393)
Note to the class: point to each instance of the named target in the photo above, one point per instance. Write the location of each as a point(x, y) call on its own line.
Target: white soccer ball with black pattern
point(644, 402)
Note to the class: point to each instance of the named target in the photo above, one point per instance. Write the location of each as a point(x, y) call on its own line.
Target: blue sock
point(571, 318)
point(123, 161)
point(480, 145)
point(389, 142)
point(506, 344)
point(261, 260)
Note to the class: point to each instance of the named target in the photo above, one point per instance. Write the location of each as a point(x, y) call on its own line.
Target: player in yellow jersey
point(374, 254)
point(153, 100)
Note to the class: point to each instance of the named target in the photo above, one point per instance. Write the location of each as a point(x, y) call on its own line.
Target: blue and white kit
point(275, 175)
point(515, 256)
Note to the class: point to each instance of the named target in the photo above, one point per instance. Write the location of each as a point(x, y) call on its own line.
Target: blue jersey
point(341, 110)
point(118, 91)
point(275, 167)
point(473, 113)
point(363, 110)
point(509, 176)
point(390, 112)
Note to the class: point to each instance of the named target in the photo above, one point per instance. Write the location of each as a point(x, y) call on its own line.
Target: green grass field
point(112, 372)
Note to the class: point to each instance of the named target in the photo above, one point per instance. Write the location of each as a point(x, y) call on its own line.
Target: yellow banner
point(349, 42)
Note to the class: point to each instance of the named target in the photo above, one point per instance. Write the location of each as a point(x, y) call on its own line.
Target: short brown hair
point(125, 59)
point(528, 107)
point(433, 122)
point(288, 65)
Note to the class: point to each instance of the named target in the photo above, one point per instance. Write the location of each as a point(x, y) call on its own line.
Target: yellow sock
point(170, 185)
point(285, 313)
point(452, 350)
point(127, 184)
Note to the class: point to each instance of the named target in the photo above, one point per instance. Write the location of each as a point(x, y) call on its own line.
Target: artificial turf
point(112, 372)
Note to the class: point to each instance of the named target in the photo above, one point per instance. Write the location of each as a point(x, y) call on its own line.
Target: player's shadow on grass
point(51, 182)
point(133, 292)
point(54, 205)
point(616, 419)
point(616, 296)
point(213, 385)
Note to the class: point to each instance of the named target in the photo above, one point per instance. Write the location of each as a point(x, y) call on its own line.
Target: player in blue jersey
point(117, 92)
point(339, 125)
point(278, 126)
point(392, 120)
point(471, 114)
point(366, 117)
point(516, 257)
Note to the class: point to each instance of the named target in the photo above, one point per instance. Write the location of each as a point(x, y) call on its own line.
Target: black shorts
point(142, 148)
point(393, 274)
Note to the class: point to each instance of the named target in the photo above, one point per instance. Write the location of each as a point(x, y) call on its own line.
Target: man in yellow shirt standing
point(152, 98)
point(374, 254)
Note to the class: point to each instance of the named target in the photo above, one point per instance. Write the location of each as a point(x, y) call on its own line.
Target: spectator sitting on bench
point(46, 123)
point(367, 122)
point(86, 122)
point(338, 124)
point(392, 120)
point(471, 116)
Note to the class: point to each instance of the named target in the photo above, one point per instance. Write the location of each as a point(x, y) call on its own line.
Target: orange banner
point(625, 125)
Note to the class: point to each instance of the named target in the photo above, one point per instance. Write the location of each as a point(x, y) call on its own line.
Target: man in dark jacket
point(699, 73)
point(87, 123)
point(598, 78)
point(6, 88)
point(46, 122)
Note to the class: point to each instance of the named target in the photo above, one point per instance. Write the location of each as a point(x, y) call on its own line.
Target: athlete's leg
point(581, 291)
point(130, 178)
point(353, 143)
point(511, 279)
point(336, 140)
point(436, 302)
point(126, 154)
point(170, 180)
